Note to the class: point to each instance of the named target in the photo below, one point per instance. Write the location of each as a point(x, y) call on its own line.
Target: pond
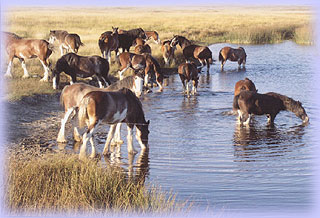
point(198, 151)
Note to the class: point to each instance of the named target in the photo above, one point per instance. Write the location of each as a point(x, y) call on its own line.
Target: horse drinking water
point(271, 104)
point(71, 96)
point(21, 48)
point(242, 85)
point(232, 54)
point(111, 108)
point(82, 66)
point(167, 52)
point(67, 41)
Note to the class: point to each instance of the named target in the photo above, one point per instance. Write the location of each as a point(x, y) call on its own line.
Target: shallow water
point(200, 152)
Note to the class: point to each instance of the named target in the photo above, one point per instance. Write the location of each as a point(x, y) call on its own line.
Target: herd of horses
point(118, 102)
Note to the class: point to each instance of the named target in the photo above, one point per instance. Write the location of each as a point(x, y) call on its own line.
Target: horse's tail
point(82, 113)
point(220, 55)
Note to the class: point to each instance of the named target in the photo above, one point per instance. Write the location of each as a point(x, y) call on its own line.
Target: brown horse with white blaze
point(153, 35)
point(128, 60)
point(271, 104)
point(112, 107)
point(232, 54)
point(21, 48)
point(189, 72)
point(67, 41)
point(201, 53)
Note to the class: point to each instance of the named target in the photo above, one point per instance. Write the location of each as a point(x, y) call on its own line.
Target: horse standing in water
point(200, 53)
point(22, 49)
point(189, 72)
point(241, 85)
point(271, 104)
point(126, 38)
point(67, 41)
point(232, 54)
point(109, 41)
point(167, 52)
point(153, 71)
point(112, 108)
point(71, 96)
point(83, 66)
point(153, 35)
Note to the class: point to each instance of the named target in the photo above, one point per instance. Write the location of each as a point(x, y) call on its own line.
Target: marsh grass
point(202, 25)
point(60, 183)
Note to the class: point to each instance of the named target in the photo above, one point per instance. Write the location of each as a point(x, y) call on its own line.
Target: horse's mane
point(288, 103)
point(132, 97)
point(13, 35)
point(124, 83)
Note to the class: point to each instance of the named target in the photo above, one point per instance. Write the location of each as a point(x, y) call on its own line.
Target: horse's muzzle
point(306, 119)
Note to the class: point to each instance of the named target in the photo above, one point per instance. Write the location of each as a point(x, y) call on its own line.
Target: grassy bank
point(57, 183)
point(203, 25)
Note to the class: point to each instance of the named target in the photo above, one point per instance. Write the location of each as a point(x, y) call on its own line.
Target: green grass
point(60, 183)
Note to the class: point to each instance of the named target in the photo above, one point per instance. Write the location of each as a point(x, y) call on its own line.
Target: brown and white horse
point(126, 38)
point(82, 66)
point(153, 35)
point(167, 52)
point(141, 47)
point(67, 41)
point(112, 107)
point(128, 60)
point(271, 104)
point(153, 71)
point(71, 96)
point(232, 54)
point(21, 48)
point(109, 41)
point(189, 72)
point(201, 53)
point(241, 85)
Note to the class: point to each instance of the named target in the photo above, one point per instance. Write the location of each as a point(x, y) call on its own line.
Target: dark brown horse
point(271, 104)
point(109, 41)
point(112, 107)
point(167, 52)
point(241, 85)
point(141, 47)
point(67, 41)
point(153, 71)
point(71, 96)
point(21, 48)
point(126, 38)
point(189, 72)
point(232, 54)
point(153, 35)
point(201, 53)
point(82, 66)
point(130, 60)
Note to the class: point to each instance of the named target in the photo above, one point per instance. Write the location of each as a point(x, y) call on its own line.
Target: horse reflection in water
point(265, 141)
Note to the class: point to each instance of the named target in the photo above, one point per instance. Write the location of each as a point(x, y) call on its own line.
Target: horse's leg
point(8, 73)
point(138, 137)
point(194, 87)
point(109, 56)
point(93, 148)
point(208, 65)
point(117, 138)
point(86, 137)
point(61, 134)
point(25, 71)
point(239, 64)
point(188, 89)
point(271, 118)
point(110, 135)
point(131, 150)
point(222, 64)
point(146, 79)
point(46, 71)
point(61, 49)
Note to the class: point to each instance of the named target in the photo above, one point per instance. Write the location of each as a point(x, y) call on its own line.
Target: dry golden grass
point(60, 183)
point(203, 25)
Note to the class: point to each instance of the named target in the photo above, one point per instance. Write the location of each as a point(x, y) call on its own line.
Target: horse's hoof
point(63, 140)
point(133, 152)
point(25, 76)
point(44, 80)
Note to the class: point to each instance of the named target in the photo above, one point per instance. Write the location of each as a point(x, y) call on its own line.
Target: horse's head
point(138, 84)
point(301, 113)
point(141, 33)
point(143, 133)
point(174, 41)
point(115, 30)
point(52, 36)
